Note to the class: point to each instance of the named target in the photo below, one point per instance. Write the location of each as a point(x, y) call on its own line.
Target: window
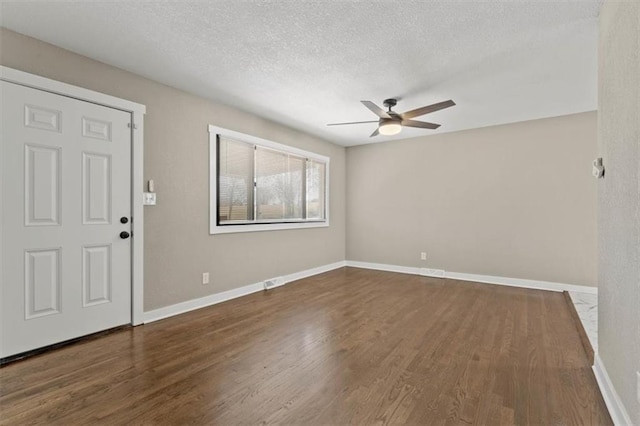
point(259, 185)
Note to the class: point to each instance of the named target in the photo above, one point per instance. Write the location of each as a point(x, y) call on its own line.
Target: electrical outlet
point(423, 256)
point(205, 278)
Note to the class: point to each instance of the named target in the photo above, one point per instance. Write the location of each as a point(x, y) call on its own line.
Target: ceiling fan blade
point(375, 133)
point(376, 109)
point(427, 109)
point(353, 122)
point(420, 124)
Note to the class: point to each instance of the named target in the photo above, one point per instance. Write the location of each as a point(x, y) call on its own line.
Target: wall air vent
point(273, 283)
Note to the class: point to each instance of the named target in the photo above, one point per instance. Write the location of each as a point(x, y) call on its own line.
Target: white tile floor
point(587, 307)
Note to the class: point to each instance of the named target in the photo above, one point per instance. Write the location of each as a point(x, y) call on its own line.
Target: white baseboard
point(383, 267)
point(616, 408)
point(190, 305)
point(520, 282)
point(488, 279)
point(435, 273)
point(314, 271)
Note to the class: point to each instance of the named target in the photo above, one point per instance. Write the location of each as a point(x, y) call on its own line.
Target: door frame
point(137, 112)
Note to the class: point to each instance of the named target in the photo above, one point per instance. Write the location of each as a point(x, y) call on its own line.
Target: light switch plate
point(638, 386)
point(149, 199)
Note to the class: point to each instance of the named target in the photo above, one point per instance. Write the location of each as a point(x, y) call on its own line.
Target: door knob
point(124, 235)
point(124, 219)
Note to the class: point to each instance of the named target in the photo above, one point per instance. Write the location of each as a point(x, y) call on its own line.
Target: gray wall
point(515, 201)
point(178, 247)
point(619, 199)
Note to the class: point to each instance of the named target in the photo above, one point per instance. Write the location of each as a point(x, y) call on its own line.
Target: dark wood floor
point(349, 346)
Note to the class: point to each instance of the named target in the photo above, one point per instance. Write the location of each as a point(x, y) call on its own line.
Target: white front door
point(66, 199)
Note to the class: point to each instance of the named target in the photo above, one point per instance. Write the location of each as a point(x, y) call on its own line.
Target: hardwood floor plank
point(350, 346)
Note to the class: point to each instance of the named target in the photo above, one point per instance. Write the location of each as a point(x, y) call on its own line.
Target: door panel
point(96, 275)
point(42, 185)
point(42, 118)
point(96, 189)
point(66, 174)
point(42, 282)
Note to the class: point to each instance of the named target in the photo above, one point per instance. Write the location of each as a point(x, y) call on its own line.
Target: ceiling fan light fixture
point(391, 123)
point(389, 128)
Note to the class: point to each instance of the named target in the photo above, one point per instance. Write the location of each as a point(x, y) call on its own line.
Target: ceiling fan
point(391, 123)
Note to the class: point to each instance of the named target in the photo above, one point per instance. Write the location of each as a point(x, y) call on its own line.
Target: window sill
point(232, 229)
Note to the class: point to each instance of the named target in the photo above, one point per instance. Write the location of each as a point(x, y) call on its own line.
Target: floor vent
point(427, 272)
point(273, 282)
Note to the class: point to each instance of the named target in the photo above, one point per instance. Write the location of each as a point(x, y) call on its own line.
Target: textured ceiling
point(309, 63)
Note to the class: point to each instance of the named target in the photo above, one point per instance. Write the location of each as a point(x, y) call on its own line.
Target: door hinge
point(132, 125)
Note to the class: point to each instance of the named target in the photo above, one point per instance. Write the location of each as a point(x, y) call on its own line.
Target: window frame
point(215, 228)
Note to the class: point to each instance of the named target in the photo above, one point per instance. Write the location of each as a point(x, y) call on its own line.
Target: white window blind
point(280, 185)
point(235, 181)
point(266, 184)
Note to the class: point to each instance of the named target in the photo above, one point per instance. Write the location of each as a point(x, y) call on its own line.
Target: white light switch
point(149, 199)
